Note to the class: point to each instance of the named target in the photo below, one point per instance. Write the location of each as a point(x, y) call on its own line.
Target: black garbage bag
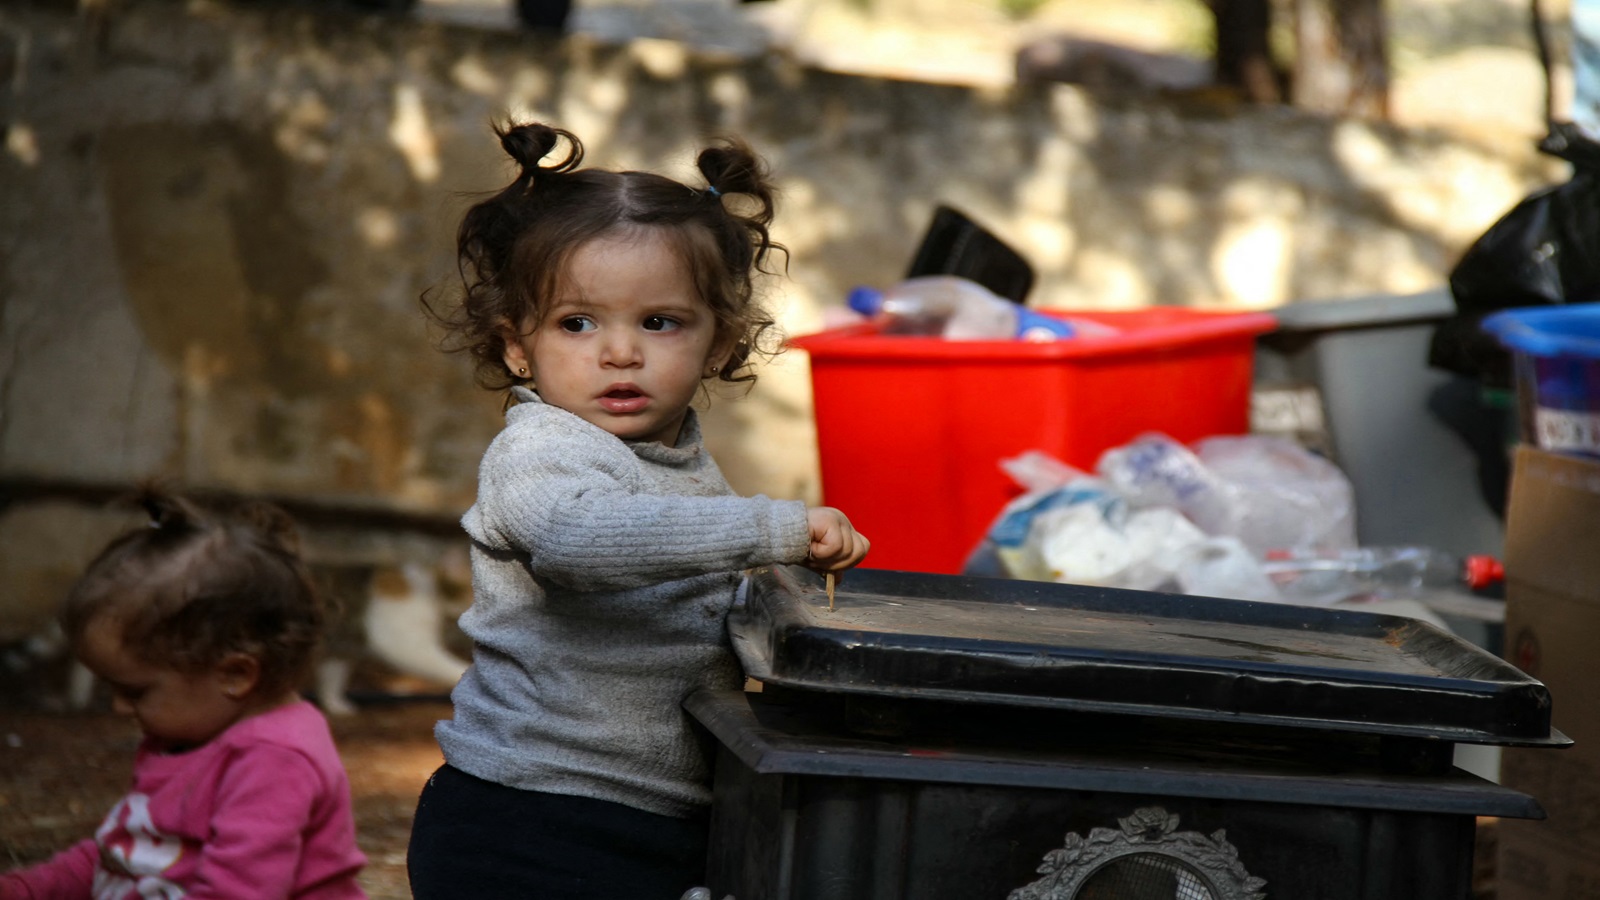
point(1546, 250)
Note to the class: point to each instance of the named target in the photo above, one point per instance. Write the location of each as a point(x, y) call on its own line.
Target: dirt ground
point(60, 773)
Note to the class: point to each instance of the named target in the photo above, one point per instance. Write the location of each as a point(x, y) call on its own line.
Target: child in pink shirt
point(203, 625)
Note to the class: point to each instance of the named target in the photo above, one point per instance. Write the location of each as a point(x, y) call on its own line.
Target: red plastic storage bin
point(911, 430)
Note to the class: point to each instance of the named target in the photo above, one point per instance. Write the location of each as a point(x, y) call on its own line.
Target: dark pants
point(474, 838)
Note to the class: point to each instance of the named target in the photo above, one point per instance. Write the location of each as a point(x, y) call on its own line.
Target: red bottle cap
point(1482, 571)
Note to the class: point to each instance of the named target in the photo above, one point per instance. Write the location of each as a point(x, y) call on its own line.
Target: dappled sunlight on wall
point(22, 144)
point(1451, 193)
point(413, 136)
point(1252, 255)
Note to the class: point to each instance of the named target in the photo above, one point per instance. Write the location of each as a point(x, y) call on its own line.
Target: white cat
point(396, 615)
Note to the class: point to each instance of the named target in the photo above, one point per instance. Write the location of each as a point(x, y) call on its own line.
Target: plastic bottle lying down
point(959, 309)
point(1320, 578)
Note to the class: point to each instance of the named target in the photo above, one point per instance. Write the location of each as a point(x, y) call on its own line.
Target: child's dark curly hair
point(194, 586)
point(512, 248)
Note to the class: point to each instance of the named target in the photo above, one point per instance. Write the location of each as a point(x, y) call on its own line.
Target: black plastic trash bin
point(947, 737)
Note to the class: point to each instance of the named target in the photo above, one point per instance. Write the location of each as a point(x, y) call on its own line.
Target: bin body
point(1415, 481)
point(808, 813)
point(911, 430)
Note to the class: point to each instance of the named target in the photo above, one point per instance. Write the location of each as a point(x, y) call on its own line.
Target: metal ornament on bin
point(1144, 857)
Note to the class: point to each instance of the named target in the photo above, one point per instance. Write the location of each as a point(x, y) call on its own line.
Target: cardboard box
point(1553, 634)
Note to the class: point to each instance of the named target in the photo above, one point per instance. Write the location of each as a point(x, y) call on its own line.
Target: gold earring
point(714, 370)
point(522, 371)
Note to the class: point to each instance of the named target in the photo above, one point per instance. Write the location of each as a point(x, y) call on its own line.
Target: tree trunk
point(1342, 57)
point(1244, 58)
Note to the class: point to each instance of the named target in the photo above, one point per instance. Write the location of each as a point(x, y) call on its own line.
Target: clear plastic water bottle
point(1323, 577)
point(956, 309)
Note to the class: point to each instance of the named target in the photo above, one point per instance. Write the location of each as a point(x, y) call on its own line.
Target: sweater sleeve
point(68, 874)
point(263, 805)
point(571, 507)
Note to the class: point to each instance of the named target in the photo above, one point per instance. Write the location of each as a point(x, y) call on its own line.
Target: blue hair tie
point(712, 190)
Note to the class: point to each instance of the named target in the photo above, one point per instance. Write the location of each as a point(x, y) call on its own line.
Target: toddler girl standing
point(203, 626)
point(607, 547)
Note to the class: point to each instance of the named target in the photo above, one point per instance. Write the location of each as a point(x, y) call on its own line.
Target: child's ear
point(511, 352)
point(721, 355)
point(238, 673)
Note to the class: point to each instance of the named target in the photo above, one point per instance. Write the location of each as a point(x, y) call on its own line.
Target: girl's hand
point(835, 544)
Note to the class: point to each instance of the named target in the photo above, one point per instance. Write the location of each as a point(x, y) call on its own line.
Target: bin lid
point(1567, 330)
point(1039, 644)
point(1366, 311)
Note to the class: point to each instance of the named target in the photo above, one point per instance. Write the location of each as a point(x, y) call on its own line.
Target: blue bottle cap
point(1036, 326)
point(866, 300)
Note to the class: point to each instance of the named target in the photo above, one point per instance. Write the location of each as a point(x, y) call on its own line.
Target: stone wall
point(216, 220)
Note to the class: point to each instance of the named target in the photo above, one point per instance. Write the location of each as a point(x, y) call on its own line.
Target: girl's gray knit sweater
point(602, 574)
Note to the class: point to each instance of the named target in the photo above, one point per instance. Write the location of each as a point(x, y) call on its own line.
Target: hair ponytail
point(167, 513)
point(731, 167)
point(529, 143)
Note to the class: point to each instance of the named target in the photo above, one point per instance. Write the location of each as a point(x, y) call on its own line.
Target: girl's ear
point(511, 353)
point(238, 674)
point(721, 354)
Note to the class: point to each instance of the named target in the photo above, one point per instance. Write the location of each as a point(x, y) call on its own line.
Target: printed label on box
point(1567, 429)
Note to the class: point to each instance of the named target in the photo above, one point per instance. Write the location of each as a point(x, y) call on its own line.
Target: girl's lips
point(623, 400)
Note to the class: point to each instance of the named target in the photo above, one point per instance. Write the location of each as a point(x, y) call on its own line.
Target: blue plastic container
point(1556, 360)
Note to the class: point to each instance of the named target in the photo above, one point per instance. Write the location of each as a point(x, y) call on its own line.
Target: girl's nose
point(121, 705)
point(620, 348)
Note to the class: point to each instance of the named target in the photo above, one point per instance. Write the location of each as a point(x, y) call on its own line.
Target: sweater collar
point(685, 453)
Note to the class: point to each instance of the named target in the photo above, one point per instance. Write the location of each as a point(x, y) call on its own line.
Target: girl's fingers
point(845, 556)
point(835, 543)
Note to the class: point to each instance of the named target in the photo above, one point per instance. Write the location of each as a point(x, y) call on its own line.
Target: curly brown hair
point(512, 248)
point(194, 586)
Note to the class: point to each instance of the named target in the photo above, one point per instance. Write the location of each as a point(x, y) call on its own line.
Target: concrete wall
point(216, 219)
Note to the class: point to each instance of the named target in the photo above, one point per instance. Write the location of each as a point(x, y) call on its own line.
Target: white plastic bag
point(1011, 547)
point(1284, 496)
point(1268, 492)
point(1111, 545)
point(1224, 567)
point(1073, 528)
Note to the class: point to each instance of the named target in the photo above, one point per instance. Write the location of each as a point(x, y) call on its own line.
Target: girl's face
point(627, 340)
point(179, 709)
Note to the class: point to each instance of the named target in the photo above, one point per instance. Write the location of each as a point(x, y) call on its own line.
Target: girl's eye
point(576, 324)
point(661, 323)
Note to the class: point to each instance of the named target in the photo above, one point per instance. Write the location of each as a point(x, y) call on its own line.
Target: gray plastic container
point(1366, 359)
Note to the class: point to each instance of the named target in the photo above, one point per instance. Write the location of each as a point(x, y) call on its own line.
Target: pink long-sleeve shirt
point(261, 811)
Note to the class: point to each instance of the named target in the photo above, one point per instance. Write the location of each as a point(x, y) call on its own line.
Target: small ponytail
point(166, 512)
point(731, 167)
point(529, 143)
